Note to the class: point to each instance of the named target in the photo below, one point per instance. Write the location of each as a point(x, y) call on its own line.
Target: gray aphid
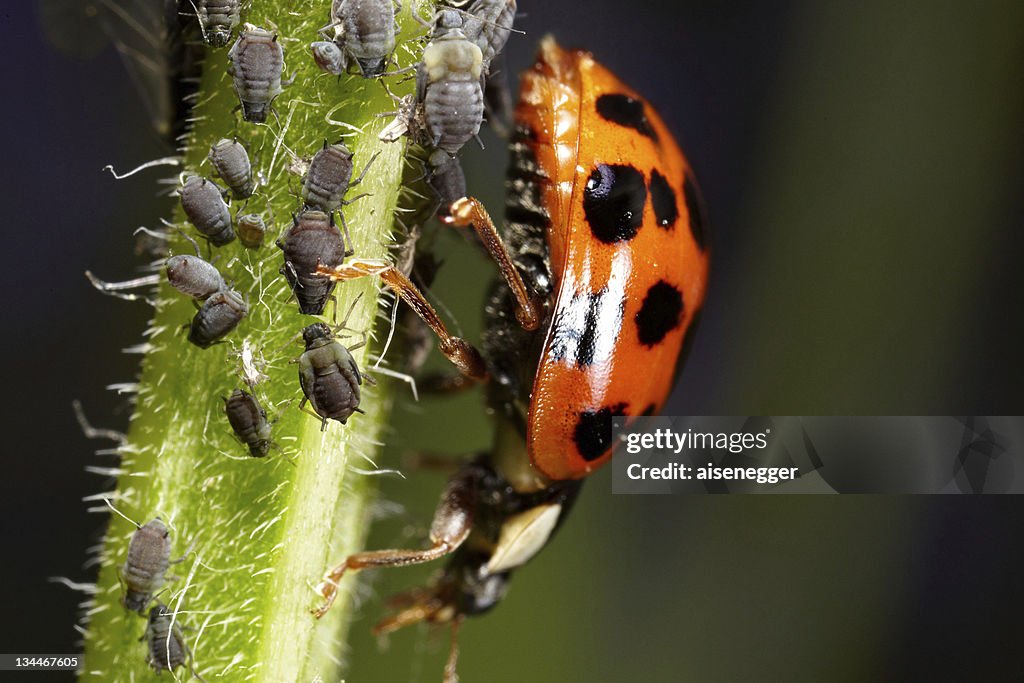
point(330, 176)
point(251, 230)
point(256, 62)
point(328, 56)
point(449, 85)
point(165, 642)
point(364, 31)
point(312, 240)
point(328, 375)
point(193, 275)
point(249, 422)
point(217, 18)
point(149, 555)
point(203, 201)
point(446, 178)
point(217, 317)
point(231, 162)
point(488, 24)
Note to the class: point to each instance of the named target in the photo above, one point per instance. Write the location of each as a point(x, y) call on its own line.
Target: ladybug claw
point(329, 591)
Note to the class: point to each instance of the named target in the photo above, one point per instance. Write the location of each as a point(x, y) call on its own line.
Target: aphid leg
point(346, 202)
point(309, 411)
point(452, 523)
point(347, 237)
point(195, 245)
point(348, 314)
point(365, 169)
point(468, 211)
point(460, 352)
point(188, 551)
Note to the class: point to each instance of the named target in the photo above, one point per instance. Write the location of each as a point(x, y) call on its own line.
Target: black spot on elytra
point(593, 433)
point(663, 200)
point(661, 312)
point(626, 111)
point(613, 202)
point(580, 329)
point(695, 209)
point(649, 410)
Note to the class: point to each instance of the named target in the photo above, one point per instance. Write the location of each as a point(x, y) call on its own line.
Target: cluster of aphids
point(142, 578)
point(446, 112)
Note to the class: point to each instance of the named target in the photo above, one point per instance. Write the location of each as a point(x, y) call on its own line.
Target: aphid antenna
point(121, 514)
point(464, 13)
point(162, 161)
point(408, 379)
point(91, 432)
point(202, 29)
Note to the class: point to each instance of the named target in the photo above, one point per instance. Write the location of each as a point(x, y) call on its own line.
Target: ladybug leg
point(470, 212)
point(450, 673)
point(452, 523)
point(428, 461)
point(460, 352)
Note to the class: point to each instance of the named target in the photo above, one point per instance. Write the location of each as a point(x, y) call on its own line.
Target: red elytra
point(626, 249)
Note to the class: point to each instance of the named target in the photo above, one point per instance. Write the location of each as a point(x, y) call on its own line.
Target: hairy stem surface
point(262, 531)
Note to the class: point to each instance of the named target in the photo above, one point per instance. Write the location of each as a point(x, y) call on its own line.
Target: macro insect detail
point(361, 32)
point(328, 374)
point(256, 62)
point(203, 202)
point(217, 19)
point(194, 276)
point(149, 556)
point(217, 317)
point(604, 265)
point(166, 649)
point(312, 240)
point(449, 85)
point(249, 422)
point(330, 176)
point(488, 24)
point(251, 230)
point(231, 162)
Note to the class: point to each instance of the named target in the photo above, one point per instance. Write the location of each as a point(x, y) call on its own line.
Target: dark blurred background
point(862, 167)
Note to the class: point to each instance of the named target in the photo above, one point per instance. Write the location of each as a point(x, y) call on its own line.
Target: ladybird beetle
point(606, 263)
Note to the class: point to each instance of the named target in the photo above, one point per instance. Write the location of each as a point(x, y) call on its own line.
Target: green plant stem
point(262, 531)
